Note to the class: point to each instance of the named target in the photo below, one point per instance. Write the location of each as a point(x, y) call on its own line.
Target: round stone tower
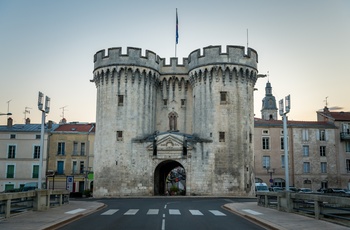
point(152, 117)
point(223, 86)
point(125, 110)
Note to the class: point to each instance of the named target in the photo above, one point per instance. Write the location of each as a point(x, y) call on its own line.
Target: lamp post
point(6, 114)
point(44, 111)
point(283, 112)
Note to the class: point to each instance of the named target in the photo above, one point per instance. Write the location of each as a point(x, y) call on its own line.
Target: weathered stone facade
point(152, 117)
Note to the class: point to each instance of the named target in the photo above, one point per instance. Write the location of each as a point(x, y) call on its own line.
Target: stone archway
point(160, 175)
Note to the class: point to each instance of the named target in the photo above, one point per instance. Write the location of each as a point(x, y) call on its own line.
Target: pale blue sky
point(48, 46)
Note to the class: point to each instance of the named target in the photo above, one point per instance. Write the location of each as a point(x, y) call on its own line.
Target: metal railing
point(329, 207)
point(37, 200)
point(345, 136)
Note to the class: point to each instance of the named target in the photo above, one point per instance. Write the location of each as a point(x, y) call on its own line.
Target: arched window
point(172, 121)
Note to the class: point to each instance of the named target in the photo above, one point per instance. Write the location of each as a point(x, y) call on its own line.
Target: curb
point(72, 219)
point(257, 221)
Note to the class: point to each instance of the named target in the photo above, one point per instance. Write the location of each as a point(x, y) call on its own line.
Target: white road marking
point(131, 212)
point(163, 224)
point(196, 213)
point(75, 211)
point(251, 212)
point(110, 212)
point(217, 213)
point(174, 212)
point(153, 212)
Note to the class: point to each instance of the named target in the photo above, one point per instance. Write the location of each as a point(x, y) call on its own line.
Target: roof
point(76, 127)
point(25, 128)
point(340, 116)
point(189, 137)
point(336, 116)
point(294, 124)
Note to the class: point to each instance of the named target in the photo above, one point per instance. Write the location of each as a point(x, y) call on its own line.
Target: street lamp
point(44, 111)
point(6, 114)
point(283, 112)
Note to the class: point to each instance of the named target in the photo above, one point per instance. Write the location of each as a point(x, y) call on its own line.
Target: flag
point(177, 29)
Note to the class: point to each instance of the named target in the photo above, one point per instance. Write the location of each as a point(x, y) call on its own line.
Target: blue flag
point(177, 29)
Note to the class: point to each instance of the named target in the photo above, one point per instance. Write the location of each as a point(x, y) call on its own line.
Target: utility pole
point(43, 114)
point(283, 112)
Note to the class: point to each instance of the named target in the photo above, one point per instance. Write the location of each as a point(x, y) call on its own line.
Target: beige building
point(20, 153)
point(313, 152)
point(71, 153)
point(342, 141)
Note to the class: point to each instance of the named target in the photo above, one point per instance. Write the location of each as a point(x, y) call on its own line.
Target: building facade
point(20, 154)
point(153, 117)
point(313, 150)
point(342, 141)
point(312, 154)
point(71, 153)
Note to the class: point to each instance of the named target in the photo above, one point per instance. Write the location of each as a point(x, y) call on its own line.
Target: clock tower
point(269, 108)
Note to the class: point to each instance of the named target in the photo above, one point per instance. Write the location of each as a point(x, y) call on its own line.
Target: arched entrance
point(161, 173)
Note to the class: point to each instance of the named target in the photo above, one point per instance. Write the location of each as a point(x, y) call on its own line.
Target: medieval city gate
point(197, 116)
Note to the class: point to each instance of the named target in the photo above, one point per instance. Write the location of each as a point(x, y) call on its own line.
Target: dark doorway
point(160, 176)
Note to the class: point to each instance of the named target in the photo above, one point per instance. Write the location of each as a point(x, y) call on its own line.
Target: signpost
point(69, 183)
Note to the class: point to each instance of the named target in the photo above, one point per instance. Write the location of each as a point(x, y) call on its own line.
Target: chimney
point(49, 125)
point(325, 109)
point(28, 121)
point(9, 122)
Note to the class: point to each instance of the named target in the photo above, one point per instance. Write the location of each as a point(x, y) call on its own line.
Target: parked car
point(261, 187)
point(321, 190)
point(334, 190)
point(305, 190)
point(30, 186)
point(277, 189)
point(291, 189)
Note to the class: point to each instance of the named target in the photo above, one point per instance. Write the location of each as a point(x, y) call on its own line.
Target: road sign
point(70, 183)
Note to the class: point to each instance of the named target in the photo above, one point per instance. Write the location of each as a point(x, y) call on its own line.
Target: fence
point(37, 200)
point(329, 207)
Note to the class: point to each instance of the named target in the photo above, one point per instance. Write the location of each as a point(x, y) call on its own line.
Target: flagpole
point(175, 49)
point(176, 34)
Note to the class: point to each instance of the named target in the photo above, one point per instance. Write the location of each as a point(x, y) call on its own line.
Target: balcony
point(345, 136)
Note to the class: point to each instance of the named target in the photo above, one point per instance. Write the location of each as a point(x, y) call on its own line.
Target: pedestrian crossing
point(173, 212)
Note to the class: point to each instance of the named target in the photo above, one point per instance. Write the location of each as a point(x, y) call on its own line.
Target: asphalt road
point(163, 214)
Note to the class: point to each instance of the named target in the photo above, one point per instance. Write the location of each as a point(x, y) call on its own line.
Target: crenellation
point(212, 55)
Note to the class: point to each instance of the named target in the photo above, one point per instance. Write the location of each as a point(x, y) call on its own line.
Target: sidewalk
point(52, 218)
point(273, 219)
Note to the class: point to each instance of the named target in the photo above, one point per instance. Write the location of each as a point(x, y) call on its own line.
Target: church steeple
point(269, 108)
point(268, 89)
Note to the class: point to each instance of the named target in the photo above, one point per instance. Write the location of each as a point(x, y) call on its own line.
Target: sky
point(48, 46)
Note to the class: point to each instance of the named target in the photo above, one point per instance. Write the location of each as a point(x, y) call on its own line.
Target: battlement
point(134, 56)
point(212, 55)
